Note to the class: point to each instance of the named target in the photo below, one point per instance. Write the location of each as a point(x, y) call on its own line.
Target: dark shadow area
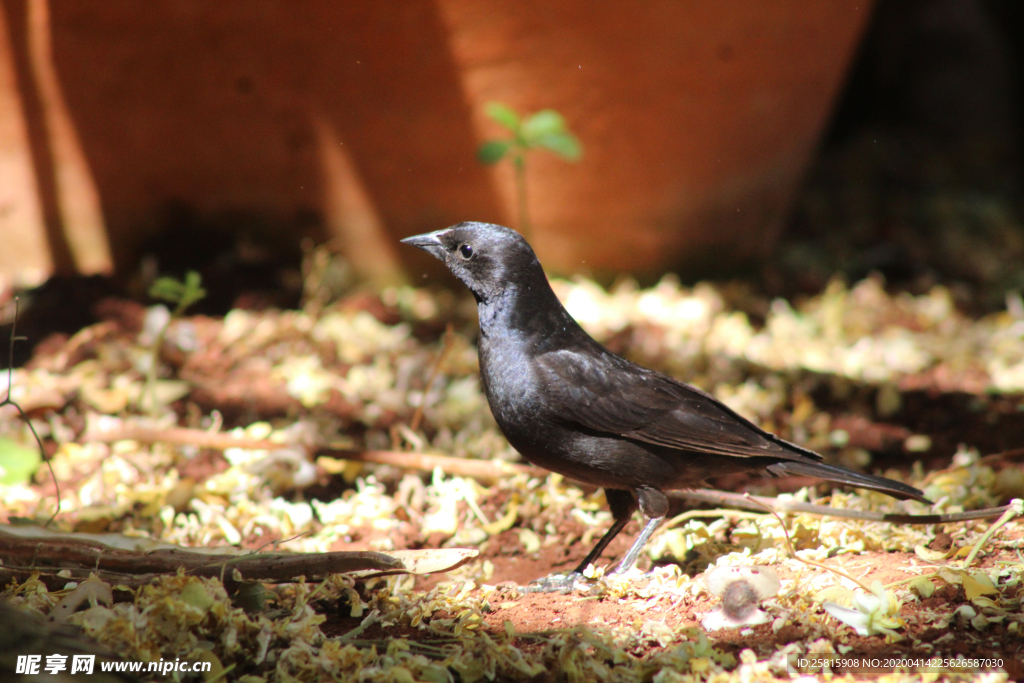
point(919, 176)
point(54, 311)
point(245, 260)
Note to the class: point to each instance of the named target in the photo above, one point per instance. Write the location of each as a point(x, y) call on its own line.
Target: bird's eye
point(465, 250)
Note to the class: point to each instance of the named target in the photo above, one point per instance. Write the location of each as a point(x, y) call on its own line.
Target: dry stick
point(25, 554)
point(465, 467)
point(696, 514)
point(181, 436)
point(31, 427)
point(792, 550)
point(494, 469)
point(1011, 454)
point(281, 541)
point(749, 502)
point(1011, 511)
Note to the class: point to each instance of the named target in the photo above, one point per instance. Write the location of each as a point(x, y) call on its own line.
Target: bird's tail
point(843, 476)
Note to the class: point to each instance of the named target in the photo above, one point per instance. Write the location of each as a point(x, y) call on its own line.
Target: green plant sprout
point(181, 294)
point(544, 130)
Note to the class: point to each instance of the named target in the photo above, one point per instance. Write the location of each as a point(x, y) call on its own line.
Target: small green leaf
point(17, 462)
point(564, 145)
point(492, 151)
point(193, 290)
point(182, 294)
point(504, 115)
point(543, 123)
point(167, 289)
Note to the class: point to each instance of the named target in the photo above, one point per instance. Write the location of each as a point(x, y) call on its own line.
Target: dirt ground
point(531, 613)
point(350, 380)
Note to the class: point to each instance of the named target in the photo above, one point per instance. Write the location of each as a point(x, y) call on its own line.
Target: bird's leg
point(622, 505)
point(654, 506)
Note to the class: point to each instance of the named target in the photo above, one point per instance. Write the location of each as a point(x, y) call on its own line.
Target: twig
point(463, 467)
point(1013, 510)
point(7, 401)
point(181, 436)
point(1011, 454)
point(696, 514)
point(792, 550)
point(748, 502)
point(280, 541)
point(495, 469)
point(22, 552)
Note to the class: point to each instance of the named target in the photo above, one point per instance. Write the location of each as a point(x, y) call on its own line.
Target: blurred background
point(779, 144)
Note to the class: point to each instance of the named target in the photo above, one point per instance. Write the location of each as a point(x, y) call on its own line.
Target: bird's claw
point(554, 583)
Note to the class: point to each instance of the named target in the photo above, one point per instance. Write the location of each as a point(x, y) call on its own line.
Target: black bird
point(570, 405)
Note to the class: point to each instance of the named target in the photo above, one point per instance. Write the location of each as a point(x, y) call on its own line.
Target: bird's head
point(486, 257)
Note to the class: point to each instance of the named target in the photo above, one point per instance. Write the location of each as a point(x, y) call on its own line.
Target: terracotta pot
point(697, 117)
point(362, 118)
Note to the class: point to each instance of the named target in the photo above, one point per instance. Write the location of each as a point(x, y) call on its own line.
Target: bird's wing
point(609, 394)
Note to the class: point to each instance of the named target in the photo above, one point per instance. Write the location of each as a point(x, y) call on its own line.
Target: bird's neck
point(517, 307)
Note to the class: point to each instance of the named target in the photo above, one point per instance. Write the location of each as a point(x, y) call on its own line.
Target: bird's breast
point(510, 382)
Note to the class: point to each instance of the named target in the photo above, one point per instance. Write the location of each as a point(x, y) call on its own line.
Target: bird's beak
point(428, 242)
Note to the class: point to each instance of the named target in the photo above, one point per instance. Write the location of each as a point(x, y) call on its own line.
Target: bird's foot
point(555, 583)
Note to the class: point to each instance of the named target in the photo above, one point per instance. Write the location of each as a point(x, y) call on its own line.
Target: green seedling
point(545, 129)
point(181, 295)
